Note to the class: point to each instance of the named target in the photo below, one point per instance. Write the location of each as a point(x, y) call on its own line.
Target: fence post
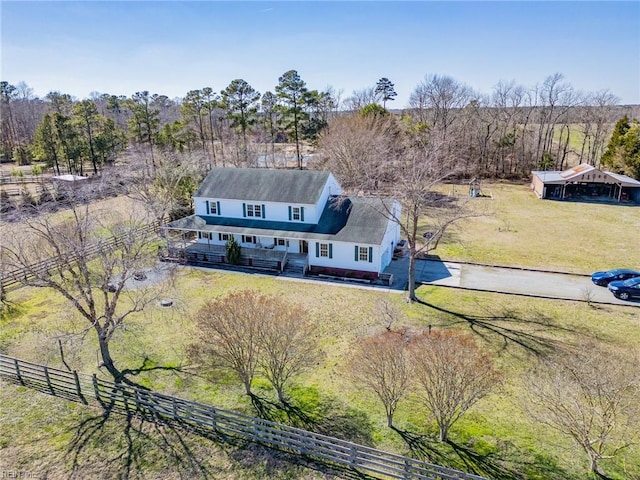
point(407, 470)
point(352, 456)
point(96, 390)
point(15, 362)
point(78, 389)
point(125, 398)
point(46, 375)
point(214, 414)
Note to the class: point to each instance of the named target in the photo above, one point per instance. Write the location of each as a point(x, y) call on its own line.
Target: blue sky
point(170, 47)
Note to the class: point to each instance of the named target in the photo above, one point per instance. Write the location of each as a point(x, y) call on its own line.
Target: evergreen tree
point(623, 151)
point(240, 101)
point(144, 120)
point(293, 93)
point(385, 88)
point(233, 251)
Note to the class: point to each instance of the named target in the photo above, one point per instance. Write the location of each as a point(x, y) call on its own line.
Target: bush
point(233, 251)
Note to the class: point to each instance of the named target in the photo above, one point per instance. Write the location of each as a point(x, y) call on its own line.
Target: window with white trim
point(249, 239)
point(224, 237)
point(282, 242)
point(205, 235)
point(254, 210)
point(295, 213)
point(324, 249)
point(213, 208)
point(363, 254)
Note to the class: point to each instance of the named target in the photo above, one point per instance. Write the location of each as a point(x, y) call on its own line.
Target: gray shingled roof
point(264, 185)
point(354, 220)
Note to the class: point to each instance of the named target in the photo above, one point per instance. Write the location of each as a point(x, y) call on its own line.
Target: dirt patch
point(148, 277)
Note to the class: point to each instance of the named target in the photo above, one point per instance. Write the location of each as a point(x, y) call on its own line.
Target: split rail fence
point(163, 408)
point(15, 277)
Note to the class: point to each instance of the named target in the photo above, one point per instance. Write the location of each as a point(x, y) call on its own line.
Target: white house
point(290, 217)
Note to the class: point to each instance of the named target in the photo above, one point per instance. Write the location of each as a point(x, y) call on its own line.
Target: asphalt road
point(508, 280)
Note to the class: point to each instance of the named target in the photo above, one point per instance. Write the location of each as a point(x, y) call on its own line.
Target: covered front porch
point(187, 247)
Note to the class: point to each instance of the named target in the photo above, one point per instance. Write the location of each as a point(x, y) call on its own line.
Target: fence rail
point(17, 276)
point(165, 408)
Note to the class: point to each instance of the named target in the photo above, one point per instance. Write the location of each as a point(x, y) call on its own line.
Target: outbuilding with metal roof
point(585, 182)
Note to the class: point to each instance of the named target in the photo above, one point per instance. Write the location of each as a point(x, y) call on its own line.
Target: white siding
point(391, 238)
point(276, 212)
point(344, 257)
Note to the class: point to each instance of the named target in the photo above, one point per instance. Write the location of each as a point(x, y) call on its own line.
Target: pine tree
point(385, 88)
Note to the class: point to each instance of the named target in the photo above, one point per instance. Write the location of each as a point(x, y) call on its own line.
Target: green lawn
point(518, 229)
point(495, 438)
point(43, 435)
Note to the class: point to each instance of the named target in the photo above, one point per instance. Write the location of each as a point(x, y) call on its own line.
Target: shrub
point(233, 251)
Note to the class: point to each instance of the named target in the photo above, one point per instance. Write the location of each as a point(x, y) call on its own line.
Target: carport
point(585, 182)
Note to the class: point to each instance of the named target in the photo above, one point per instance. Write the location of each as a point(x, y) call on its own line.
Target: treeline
point(223, 127)
point(505, 133)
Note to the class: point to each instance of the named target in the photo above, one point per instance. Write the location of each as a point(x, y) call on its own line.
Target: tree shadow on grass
point(512, 465)
point(483, 464)
point(322, 414)
point(507, 327)
point(148, 365)
point(423, 447)
point(128, 436)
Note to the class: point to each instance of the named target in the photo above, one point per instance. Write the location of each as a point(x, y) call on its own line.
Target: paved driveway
point(508, 280)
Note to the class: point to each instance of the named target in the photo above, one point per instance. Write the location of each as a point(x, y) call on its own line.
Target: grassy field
point(515, 228)
point(52, 438)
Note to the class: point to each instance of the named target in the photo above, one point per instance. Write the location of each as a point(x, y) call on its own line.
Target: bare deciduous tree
point(96, 255)
point(228, 334)
point(287, 343)
point(354, 145)
point(373, 155)
point(436, 100)
point(412, 179)
point(389, 313)
point(591, 396)
point(361, 98)
point(379, 364)
point(170, 187)
point(247, 332)
point(453, 374)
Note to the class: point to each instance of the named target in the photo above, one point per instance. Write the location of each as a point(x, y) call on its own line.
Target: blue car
point(627, 289)
point(619, 274)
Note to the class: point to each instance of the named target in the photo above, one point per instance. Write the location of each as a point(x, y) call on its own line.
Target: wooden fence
point(17, 276)
point(164, 408)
